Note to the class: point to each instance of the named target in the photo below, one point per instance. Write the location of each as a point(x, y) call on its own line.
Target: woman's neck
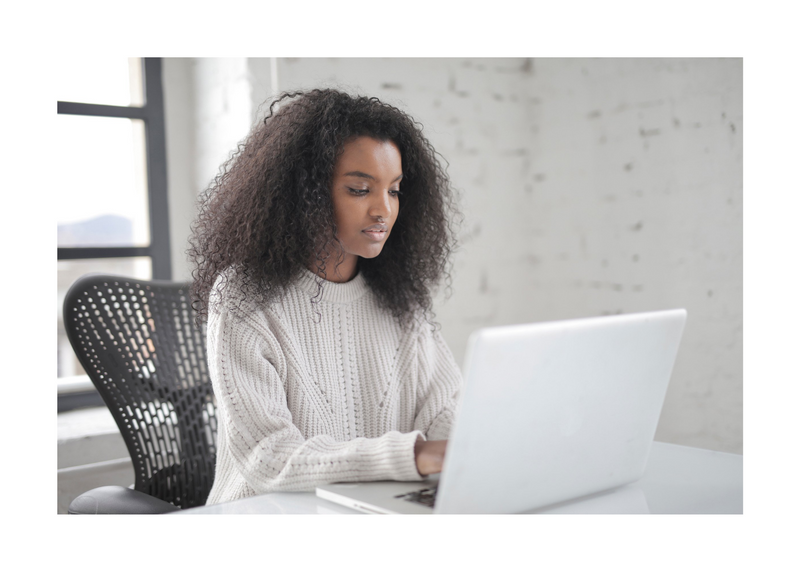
point(345, 272)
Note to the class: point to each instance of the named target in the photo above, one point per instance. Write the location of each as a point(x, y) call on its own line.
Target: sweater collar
point(332, 291)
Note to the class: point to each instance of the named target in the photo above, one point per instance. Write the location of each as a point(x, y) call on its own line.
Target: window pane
point(102, 199)
point(105, 80)
point(68, 272)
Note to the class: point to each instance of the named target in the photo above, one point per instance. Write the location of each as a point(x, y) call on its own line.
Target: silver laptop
point(549, 412)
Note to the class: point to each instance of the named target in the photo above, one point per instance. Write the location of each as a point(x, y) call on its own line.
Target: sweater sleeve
point(247, 367)
point(440, 384)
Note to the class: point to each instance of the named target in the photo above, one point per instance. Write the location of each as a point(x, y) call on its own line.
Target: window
point(112, 203)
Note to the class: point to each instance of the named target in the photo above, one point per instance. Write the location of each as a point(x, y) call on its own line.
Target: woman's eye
point(359, 192)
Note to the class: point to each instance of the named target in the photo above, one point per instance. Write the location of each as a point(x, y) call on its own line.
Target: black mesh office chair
point(140, 346)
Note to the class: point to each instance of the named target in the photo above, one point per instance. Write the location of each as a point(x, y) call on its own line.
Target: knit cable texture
point(305, 400)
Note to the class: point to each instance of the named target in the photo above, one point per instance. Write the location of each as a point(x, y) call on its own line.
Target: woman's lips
point(375, 235)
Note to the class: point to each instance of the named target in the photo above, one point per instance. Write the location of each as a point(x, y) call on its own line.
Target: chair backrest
point(140, 346)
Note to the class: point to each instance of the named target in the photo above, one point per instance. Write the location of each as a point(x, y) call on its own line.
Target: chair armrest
point(118, 500)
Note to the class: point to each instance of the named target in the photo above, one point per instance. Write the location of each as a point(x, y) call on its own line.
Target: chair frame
point(140, 344)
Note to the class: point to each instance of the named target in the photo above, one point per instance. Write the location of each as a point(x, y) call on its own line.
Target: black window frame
point(152, 113)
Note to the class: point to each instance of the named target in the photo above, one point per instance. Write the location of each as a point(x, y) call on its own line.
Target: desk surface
point(678, 480)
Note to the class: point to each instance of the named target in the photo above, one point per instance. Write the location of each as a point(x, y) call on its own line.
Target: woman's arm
point(439, 386)
point(247, 370)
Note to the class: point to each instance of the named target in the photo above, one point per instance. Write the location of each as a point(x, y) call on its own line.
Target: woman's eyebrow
point(367, 176)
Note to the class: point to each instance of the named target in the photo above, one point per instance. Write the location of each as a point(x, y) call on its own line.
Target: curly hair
point(269, 211)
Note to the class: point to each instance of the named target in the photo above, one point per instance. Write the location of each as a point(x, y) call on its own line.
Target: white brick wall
point(590, 187)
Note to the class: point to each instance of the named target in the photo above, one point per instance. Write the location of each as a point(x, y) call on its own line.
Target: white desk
point(678, 480)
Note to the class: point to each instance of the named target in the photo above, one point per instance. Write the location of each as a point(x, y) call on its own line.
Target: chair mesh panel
point(138, 342)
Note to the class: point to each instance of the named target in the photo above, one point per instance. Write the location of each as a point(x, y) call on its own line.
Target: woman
point(315, 252)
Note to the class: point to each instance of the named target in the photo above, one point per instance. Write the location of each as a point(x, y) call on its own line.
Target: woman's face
point(366, 185)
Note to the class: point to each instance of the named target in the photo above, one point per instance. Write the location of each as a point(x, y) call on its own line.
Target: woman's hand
point(429, 456)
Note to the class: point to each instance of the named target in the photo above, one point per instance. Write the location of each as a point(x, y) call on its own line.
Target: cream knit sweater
point(302, 403)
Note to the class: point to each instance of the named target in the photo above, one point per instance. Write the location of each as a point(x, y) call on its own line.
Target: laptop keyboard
point(426, 497)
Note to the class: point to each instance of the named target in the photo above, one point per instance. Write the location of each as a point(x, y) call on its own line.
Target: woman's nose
point(381, 205)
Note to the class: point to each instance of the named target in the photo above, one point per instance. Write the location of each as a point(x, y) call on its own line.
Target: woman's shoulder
point(425, 331)
point(233, 292)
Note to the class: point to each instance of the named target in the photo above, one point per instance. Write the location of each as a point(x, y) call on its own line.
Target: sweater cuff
point(394, 458)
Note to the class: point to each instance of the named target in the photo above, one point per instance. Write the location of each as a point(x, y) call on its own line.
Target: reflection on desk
point(678, 480)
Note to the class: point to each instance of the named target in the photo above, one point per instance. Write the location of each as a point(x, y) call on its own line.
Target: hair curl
point(269, 210)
